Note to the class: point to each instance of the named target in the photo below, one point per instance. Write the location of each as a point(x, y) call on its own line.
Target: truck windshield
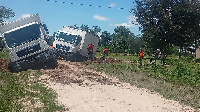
point(26, 34)
point(72, 39)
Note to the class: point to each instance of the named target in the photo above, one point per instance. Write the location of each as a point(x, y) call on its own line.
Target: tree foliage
point(123, 40)
point(84, 28)
point(95, 30)
point(168, 22)
point(105, 38)
point(5, 13)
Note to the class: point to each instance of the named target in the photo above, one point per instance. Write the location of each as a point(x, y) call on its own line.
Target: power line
point(90, 5)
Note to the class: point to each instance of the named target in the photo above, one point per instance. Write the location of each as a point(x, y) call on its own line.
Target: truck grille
point(28, 50)
point(62, 47)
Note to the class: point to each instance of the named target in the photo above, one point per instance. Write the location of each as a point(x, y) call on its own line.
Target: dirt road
point(84, 90)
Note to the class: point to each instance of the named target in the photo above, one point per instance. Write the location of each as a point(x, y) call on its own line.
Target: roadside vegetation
point(4, 54)
point(178, 79)
point(24, 91)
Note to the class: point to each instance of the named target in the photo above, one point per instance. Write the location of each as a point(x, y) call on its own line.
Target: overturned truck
point(71, 44)
point(25, 42)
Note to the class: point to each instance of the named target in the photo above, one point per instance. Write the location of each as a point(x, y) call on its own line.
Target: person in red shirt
point(51, 46)
point(90, 50)
point(141, 55)
point(105, 52)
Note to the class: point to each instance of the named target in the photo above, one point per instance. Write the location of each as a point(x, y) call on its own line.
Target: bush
point(4, 54)
point(197, 60)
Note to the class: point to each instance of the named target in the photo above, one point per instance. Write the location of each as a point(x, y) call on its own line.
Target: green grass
point(182, 71)
point(4, 54)
point(119, 56)
point(24, 92)
point(178, 80)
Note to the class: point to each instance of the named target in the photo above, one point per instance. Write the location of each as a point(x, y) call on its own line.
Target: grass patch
point(4, 54)
point(24, 92)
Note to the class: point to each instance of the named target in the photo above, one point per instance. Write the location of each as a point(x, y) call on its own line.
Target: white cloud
point(112, 5)
point(131, 22)
point(24, 16)
point(101, 18)
point(124, 24)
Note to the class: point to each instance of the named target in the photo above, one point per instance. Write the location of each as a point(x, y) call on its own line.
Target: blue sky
point(59, 14)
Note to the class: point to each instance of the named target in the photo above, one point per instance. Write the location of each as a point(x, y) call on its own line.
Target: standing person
point(141, 55)
point(154, 56)
point(52, 50)
point(105, 54)
point(162, 58)
point(90, 51)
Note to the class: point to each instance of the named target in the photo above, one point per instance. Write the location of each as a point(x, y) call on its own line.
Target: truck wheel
point(13, 67)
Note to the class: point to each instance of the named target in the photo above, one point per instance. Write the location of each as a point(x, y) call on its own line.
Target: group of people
point(90, 52)
point(155, 56)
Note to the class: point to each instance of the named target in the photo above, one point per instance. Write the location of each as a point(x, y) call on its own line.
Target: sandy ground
point(84, 90)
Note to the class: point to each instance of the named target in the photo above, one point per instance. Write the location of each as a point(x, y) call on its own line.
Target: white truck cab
point(71, 44)
point(24, 40)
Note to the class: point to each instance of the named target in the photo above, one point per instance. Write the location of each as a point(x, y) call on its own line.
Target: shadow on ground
point(47, 65)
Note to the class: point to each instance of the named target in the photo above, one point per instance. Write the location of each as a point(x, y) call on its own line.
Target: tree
point(185, 18)
point(168, 22)
point(122, 40)
point(153, 16)
point(105, 38)
point(5, 13)
point(84, 28)
point(95, 30)
point(138, 43)
point(74, 26)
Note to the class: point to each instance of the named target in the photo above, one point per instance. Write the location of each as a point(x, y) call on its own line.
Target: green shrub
point(4, 54)
point(197, 60)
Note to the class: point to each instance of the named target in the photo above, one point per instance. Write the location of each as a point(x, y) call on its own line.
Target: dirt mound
point(4, 65)
point(73, 72)
point(108, 60)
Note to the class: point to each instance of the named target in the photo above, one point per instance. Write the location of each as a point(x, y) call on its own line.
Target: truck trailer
point(25, 42)
point(72, 44)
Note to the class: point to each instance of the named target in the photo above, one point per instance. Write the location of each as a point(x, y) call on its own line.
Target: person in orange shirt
point(51, 49)
point(105, 54)
point(141, 55)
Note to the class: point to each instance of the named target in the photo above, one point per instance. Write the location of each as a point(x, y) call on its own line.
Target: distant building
point(198, 53)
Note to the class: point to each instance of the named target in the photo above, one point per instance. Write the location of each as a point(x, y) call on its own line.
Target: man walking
point(141, 55)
